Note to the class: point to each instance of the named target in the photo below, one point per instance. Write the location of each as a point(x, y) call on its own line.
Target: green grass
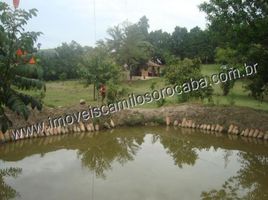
point(238, 94)
point(210, 69)
point(65, 93)
point(68, 93)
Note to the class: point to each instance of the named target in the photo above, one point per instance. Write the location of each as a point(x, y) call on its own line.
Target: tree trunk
point(130, 76)
point(94, 92)
point(130, 73)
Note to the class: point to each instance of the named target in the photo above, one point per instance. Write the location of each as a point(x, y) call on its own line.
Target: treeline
point(237, 34)
point(63, 62)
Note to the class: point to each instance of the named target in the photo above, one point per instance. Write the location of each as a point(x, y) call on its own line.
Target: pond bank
point(233, 120)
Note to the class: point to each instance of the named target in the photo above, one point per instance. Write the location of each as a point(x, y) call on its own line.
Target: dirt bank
point(239, 116)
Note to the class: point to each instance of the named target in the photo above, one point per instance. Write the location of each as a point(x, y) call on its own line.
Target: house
point(153, 69)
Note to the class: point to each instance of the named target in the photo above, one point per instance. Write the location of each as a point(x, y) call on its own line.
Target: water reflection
point(6, 191)
point(181, 150)
point(144, 155)
point(99, 154)
point(250, 182)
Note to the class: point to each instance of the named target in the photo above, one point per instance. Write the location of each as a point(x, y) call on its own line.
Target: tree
point(130, 46)
point(61, 61)
point(240, 25)
point(161, 42)
point(178, 41)
point(68, 56)
point(197, 44)
point(15, 70)
point(227, 58)
point(115, 42)
point(182, 72)
point(135, 51)
point(143, 24)
point(97, 68)
point(48, 62)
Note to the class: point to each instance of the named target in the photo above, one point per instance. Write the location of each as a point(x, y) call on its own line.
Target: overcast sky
point(66, 20)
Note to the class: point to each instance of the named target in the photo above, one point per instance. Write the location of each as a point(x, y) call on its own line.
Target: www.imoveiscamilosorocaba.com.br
point(169, 91)
point(136, 100)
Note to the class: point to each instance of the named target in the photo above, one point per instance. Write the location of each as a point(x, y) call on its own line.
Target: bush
point(231, 99)
point(183, 72)
point(63, 76)
point(115, 92)
point(161, 101)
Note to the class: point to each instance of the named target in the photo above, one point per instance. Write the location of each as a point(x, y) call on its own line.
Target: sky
point(67, 20)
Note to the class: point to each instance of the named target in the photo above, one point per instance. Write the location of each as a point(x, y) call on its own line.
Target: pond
point(134, 164)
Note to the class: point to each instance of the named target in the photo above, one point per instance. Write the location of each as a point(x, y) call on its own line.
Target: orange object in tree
point(32, 61)
point(19, 52)
point(102, 90)
point(16, 3)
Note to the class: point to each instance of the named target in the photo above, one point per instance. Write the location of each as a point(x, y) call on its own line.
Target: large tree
point(68, 56)
point(61, 62)
point(161, 42)
point(242, 25)
point(178, 41)
point(16, 63)
point(197, 44)
point(129, 44)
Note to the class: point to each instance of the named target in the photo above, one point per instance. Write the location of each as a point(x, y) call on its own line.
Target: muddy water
point(134, 164)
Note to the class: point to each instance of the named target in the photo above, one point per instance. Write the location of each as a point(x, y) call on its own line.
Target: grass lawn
point(238, 94)
point(68, 93)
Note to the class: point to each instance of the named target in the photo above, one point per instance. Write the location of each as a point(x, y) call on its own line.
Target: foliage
point(199, 45)
point(97, 68)
point(62, 60)
point(259, 83)
point(231, 99)
point(195, 43)
point(228, 85)
point(68, 58)
point(63, 76)
point(182, 71)
point(239, 25)
point(129, 45)
point(15, 72)
point(115, 92)
point(178, 41)
point(185, 71)
point(161, 42)
point(161, 101)
point(225, 56)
